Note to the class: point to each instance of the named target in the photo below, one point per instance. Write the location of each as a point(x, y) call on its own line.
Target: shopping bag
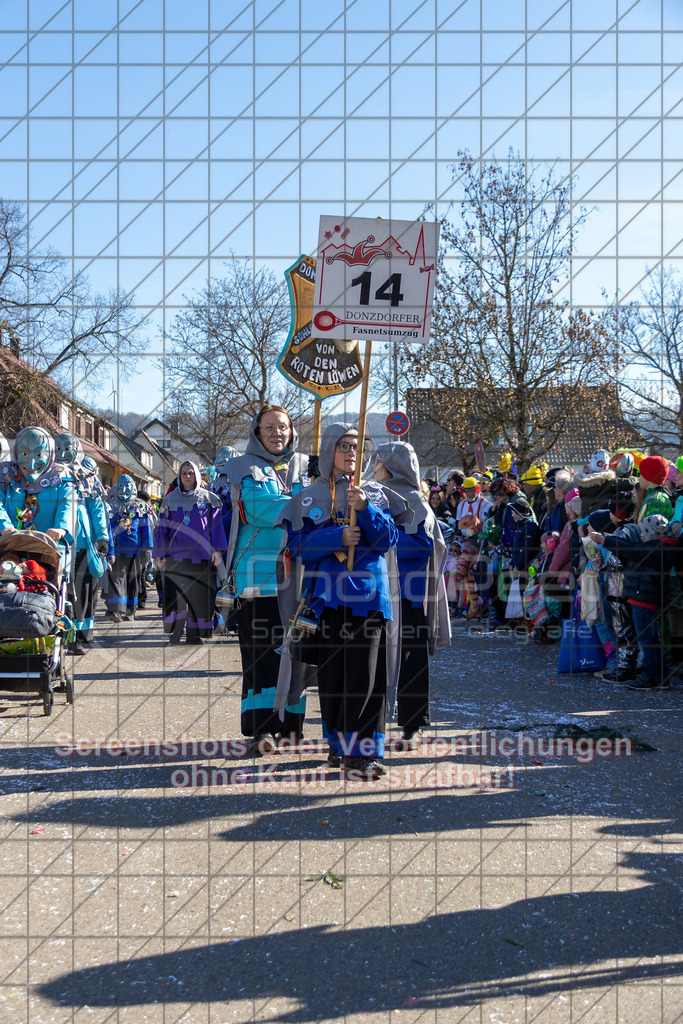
point(580, 647)
point(97, 563)
point(534, 604)
point(591, 599)
point(514, 609)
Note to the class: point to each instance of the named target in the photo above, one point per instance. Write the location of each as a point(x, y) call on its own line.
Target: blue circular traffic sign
point(397, 423)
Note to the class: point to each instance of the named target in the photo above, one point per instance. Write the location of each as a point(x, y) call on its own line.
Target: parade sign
point(397, 423)
point(375, 279)
point(324, 366)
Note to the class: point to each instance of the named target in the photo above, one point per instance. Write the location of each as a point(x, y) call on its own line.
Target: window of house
point(106, 438)
point(89, 430)
point(78, 425)
point(64, 415)
point(146, 459)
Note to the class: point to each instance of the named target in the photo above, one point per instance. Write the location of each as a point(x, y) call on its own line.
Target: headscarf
point(51, 475)
point(401, 460)
point(315, 501)
point(126, 506)
point(199, 496)
point(258, 463)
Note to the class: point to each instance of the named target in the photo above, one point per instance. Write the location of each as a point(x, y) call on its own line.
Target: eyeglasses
point(345, 447)
point(279, 429)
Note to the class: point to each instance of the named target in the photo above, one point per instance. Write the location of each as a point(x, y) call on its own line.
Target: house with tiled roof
point(438, 415)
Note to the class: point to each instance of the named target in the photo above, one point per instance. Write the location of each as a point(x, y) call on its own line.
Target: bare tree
point(651, 374)
point(500, 325)
point(53, 322)
point(223, 352)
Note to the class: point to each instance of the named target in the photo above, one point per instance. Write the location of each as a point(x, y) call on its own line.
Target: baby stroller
point(33, 622)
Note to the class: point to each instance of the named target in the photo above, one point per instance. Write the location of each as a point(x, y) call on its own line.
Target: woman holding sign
point(353, 605)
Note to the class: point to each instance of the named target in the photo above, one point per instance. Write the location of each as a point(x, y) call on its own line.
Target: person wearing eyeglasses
point(353, 605)
point(261, 483)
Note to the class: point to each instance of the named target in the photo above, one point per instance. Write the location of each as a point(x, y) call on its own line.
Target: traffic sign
point(397, 423)
point(480, 455)
point(375, 279)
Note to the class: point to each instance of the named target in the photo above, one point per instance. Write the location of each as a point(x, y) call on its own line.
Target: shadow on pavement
point(447, 960)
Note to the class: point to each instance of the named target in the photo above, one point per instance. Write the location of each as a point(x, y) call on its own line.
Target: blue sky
point(151, 140)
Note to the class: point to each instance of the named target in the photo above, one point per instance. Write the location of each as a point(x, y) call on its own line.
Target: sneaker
point(371, 767)
point(114, 616)
point(196, 641)
point(620, 674)
point(77, 648)
point(644, 684)
point(334, 759)
point(175, 638)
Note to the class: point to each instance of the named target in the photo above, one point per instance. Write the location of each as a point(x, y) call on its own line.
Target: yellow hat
point(533, 475)
point(469, 481)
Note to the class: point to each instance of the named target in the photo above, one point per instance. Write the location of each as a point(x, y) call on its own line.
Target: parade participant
point(421, 553)
point(188, 545)
point(221, 482)
point(261, 482)
point(92, 541)
point(132, 536)
point(38, 494)
point(353, 605)
point(146, 562)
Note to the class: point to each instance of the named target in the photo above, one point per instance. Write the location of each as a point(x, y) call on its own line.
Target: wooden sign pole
point(317, 420)
point(361, 439)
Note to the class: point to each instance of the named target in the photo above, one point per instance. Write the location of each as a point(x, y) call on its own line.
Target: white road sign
point(375, 279)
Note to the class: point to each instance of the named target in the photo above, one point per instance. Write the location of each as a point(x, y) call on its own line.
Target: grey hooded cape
point(402, 462)
point(258, 463)
point(186, 500)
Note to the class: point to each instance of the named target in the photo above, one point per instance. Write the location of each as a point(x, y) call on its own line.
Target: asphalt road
point(528, 882)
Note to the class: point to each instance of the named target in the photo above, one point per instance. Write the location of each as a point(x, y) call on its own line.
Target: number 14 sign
point(375, 279)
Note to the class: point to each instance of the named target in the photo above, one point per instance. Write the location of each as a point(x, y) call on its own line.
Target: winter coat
point(596, 489)
point(646, 565)
point(525, 544)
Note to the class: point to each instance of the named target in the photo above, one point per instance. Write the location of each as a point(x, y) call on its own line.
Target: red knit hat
point(654, 468)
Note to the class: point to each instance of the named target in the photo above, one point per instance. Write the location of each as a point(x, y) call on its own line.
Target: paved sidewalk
point(472, 883)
